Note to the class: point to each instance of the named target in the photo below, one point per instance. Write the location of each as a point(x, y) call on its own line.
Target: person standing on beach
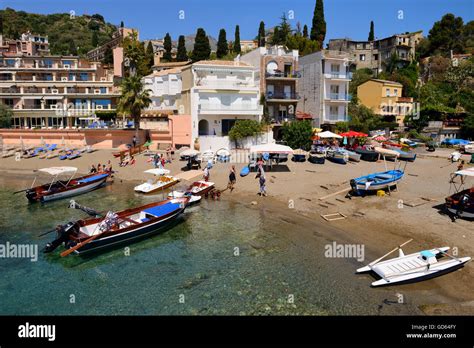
point(134, 141)
point(261, 181)
point(206, 174)
point(232, 179)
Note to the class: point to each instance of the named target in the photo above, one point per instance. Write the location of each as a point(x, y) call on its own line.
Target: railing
point(233, 107)
point(226, 84)
point(337, 118)
point(338, 75)
point(295, 74)
point(339, 96)
point(288, 96)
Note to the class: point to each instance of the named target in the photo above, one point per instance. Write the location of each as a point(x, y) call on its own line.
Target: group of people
point(101, 168)
point(127, 160)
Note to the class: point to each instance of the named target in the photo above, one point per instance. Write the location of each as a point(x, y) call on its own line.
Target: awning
point(158, 171)
point(58, 170)
point(271, 148)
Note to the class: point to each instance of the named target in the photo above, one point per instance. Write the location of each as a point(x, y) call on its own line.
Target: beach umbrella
point(190, 152)
point(271, 148)
point(328, 134)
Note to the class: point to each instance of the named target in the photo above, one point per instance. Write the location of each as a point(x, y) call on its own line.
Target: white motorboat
point(162, 182)
point(413, 267)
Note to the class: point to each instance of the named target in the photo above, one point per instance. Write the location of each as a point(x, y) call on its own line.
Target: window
point(103, 90)
point(83, 76)
point(387, 92)
point(335, 68)
point(9, 102)
point(333, 110)
point(395, 92)
point(362, 57)
point(376, 57)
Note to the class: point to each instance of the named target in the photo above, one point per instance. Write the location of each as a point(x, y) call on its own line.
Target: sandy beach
point(379, 223)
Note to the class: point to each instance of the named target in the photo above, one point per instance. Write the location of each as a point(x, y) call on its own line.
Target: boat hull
point(316, 158)
point(367, 155)
point(461, 204)
point(148, 189)
point(377, 181)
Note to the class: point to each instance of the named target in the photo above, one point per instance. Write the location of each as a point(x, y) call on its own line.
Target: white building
point(165, 87)
point(324, 86)
point(216, 94)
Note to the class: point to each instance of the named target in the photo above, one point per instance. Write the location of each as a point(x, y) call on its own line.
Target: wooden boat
point(197, 188)
point(337, 156)
point(162, 182)
point(367, 155)
point(316, 158)
point(58, 189)
point(353, 156)
point(387, 153)
point(413, 267)
point(96, 234)
point(405, 155)
point(376, 181)
point(461, 203)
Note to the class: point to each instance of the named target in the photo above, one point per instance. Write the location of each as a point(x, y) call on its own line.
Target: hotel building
point(216, 94)
point(55, 91)
point(324, 87)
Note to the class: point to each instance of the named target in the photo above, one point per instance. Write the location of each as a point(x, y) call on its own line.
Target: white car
point(469, 148)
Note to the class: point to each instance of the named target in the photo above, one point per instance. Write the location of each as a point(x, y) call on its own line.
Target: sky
point(344, 18)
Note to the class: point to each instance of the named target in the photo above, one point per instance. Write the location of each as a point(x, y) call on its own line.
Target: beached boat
point(414, 267)
point(317, 158)
point(367, 155)
point(405, 155)
point(353, 156)
point(162, 182)
point(197, 188)
point(337, 156)
point(461, 203)
point(58, 189)
point(96, 234)
point(376, 181)
point(387, 153)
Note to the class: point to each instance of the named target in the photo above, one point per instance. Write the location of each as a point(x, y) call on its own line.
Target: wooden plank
point(335, 193)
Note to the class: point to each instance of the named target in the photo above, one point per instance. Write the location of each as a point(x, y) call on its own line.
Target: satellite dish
point(271, 67)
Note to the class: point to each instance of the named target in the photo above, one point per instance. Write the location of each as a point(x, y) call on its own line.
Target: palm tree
point(134, 98)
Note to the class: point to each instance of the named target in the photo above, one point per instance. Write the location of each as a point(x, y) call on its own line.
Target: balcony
point(283, 75)
point(224, 84)
point(338, 97)
point(289, 97)
point(338, 75)
point(336, 118)
point(214, 108)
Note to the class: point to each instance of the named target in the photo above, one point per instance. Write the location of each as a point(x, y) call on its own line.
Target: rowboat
point(316, 158)
point(387, 153)
point(96, 234)
point(367, 155)
point(376, 181)
point(162, 182)
point(461, 203)
point(197, 188)
point(413, 267)
point(405, 155)
point(353, 156)
point(337, 156)
point(58, 189)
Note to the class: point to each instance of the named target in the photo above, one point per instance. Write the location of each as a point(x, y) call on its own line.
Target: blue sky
point(345, 18)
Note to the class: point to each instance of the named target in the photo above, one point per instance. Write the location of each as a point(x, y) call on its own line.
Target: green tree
point(181, 55)
point(134, 98)
point(318, 30)
point(150, 55)
point(305, 31)
point(446, 35)
point(467, 128)
point(362, 119)
point(72, 48)
point(1, 24)
point(297, 135)
point(468, 37)
point(135, 57)
point(237, 48)
point(275, 38)
point(108, 56)
point(359, 77)
point(95, 39)
point(121, 24)
point(261, 35)
point(168, 47)
point(6, 115)
point(371, 32)
point(222, 45)
point(245, 128)
point(202, 48)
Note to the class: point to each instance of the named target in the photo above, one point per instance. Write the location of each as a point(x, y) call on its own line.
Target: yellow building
point(385, 99)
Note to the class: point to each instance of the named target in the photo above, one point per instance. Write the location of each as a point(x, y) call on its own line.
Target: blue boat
point(405, 155)
point(376, 181)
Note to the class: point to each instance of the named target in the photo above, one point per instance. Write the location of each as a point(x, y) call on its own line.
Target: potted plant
point(197, 146)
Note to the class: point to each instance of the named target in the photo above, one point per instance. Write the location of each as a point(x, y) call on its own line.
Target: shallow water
point(221, 258)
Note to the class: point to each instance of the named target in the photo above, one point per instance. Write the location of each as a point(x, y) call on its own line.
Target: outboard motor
point(62, 236)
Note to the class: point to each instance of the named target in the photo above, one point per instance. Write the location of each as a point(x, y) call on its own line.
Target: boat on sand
point(162, 182)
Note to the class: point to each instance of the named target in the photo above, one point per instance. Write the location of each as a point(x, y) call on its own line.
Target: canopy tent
point(466, 172)
point(352, 134)
point(328, 134)
point(58, 170)
point(157, 171)
point(189, 152)
point(271, 148)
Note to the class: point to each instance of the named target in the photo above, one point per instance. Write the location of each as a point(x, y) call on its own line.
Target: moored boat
point(197, 188)
point(376, 181)
point(413, 267)
point(95, 234)
point(162, 182)
point(405, 155)
point(58, 189)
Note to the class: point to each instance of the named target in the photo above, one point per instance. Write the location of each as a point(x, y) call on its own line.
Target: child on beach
point(206, 174)
point(232, 179)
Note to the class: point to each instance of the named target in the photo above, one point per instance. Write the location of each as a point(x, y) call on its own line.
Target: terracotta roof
point(170, 64)
point(222, 62)
point(165, 72)
point(387, 82)
point(405, 100)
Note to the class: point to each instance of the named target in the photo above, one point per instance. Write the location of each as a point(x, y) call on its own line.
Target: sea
point(223, 257)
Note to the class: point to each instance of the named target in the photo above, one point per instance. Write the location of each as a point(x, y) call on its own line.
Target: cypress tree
point(276, 36)
point(150, 55)
point(222, 46)
point(261, 35)
point(181, 55)
point(237, 48)
point(168, 46)
point(318, 30)
point(202, 48)
point(121, 24)
point(305, 31)
point(371, 33)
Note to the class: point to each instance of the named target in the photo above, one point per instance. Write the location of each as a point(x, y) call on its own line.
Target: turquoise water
point(280, 267)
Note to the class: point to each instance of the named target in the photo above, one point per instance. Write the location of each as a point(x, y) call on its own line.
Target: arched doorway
point(203, 127)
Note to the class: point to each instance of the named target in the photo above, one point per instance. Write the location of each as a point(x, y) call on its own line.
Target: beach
point(294, 192)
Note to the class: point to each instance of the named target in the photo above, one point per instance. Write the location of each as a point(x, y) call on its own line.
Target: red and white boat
point(197, 188)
